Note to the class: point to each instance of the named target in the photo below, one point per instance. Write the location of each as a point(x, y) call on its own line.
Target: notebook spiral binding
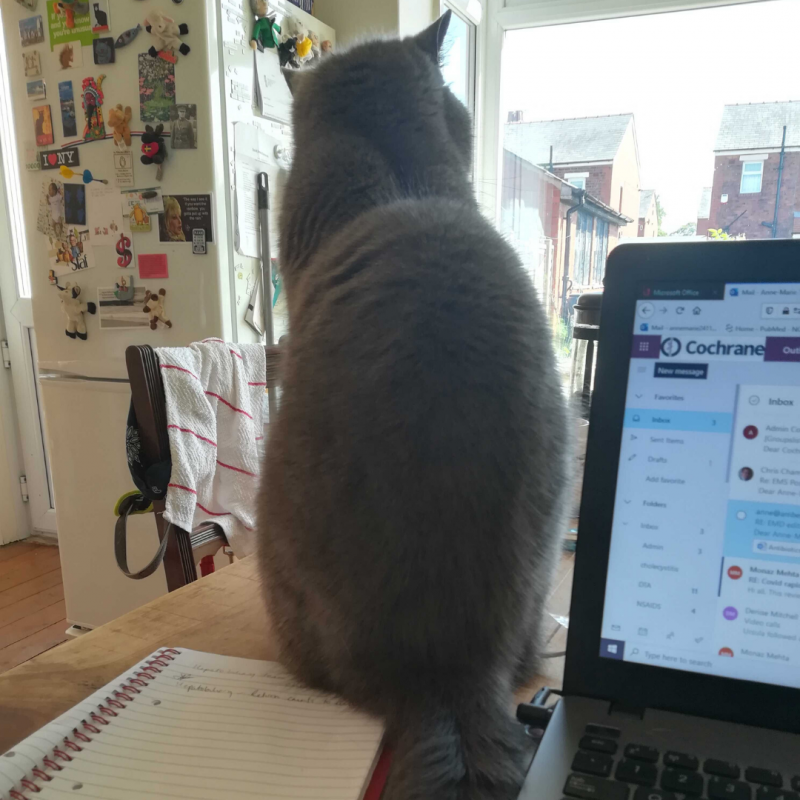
point(99, 718)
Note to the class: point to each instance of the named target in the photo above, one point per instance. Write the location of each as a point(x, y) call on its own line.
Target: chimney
point(514, 116)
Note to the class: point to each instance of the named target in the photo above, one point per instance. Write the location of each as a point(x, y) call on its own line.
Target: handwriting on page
point(282, 687)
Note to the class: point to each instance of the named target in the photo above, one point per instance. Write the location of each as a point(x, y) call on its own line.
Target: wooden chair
point(185, 548)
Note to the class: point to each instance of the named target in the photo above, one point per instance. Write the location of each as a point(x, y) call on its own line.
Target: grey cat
point(411, 506)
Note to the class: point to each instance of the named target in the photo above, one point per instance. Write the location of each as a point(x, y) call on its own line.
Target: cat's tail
point(473, 751)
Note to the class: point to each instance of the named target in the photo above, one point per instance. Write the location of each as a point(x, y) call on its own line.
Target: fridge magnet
point(126, 37)
point(98, 13)
point(31, 31)
point(74, 309)
point(156, 88)
point(184, 126)
point(266, 31)
point(153, 266)
point(68, 56)
point(86, 176)
point(124, 248)
point(122, 314)
point(119, 119)
point(74, 204)
point(123, 167)
point(42, 125)
point(166, 35)
point(92, 101)
point(55, 159)
point(32, 160)
point(36, 90)
point(69, 22)
point(154, 308)
point(32, 63)
point(154, 150)
point(29, 4)
point(106, 221)
point(70, 252)
point(123, 290)
point(182, 214)
point(103, 50)
point(134, 207)
point(50, 220)
point(69, 123)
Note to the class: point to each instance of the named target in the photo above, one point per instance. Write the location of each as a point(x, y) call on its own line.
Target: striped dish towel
point(215, 393)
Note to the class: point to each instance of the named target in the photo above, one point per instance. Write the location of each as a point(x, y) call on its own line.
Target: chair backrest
point(149, 403)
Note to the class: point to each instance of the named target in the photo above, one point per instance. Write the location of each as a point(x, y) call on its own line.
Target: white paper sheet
point(254, 151)
point(273, 98)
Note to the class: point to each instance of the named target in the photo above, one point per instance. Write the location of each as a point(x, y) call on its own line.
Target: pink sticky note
point(153, 266)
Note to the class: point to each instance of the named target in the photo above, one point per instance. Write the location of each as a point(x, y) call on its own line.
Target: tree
point(687, 229)
point(660, 214)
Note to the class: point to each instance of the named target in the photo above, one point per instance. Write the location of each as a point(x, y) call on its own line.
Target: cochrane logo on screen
point(673, 346)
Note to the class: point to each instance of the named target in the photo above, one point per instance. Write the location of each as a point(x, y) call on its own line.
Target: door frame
point(24, 412)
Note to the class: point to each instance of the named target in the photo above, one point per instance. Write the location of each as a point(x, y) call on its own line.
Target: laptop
point(682, 676)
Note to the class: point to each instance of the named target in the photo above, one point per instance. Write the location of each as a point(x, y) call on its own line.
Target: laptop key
point(646, 793)
point(771, 793)
point(769, 777)
point(636, 772)
point(602, 730)
point(641, 752)
point(680, 760)
point(725, 769)
point(598, 744)
point(725, 789)
point(593, 763)
point(586, 787)
point(677, 780)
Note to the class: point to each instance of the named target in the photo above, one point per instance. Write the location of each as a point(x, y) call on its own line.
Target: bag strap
point(128, 506)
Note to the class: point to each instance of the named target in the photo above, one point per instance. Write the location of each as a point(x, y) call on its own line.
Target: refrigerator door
point(86, 421)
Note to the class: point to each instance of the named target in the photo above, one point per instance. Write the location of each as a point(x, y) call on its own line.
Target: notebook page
point(205, 726)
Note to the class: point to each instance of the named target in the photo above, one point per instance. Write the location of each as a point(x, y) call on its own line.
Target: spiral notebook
point(184, 724)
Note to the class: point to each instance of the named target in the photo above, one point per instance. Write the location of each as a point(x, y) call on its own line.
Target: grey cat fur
point(412, 500)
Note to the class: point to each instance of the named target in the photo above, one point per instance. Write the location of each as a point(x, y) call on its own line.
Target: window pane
point(656, 149)
point(457, 59)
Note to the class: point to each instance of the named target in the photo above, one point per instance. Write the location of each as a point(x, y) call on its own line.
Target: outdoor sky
point(673, 71)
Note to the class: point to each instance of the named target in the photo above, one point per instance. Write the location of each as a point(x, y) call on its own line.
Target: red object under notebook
point(379, 776)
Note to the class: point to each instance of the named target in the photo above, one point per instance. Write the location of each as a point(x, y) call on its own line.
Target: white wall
point(355, 19)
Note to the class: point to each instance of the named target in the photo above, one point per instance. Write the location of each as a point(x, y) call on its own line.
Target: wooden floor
point(32, 615)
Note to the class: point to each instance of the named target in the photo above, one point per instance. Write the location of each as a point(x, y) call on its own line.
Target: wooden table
point(223, 613)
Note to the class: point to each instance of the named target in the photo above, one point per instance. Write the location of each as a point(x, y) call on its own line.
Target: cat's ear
point(294, 79)
point(431, 39)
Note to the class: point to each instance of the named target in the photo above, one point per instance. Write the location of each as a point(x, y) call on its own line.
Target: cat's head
point(390, 91)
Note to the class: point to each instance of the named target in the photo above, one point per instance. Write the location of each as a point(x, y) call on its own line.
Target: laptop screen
point(704, 564)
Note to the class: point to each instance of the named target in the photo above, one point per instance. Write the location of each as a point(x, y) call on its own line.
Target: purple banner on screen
point(646, 347)
point(782, 348)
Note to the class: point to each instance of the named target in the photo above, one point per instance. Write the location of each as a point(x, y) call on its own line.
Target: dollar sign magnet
point(124, 251)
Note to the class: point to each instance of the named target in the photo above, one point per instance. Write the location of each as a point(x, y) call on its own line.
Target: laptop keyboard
point(601, 770)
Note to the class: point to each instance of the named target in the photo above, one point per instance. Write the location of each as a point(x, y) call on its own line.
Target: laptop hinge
point(620, 709)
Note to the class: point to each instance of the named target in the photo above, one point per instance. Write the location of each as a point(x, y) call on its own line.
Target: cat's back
point(420, 365)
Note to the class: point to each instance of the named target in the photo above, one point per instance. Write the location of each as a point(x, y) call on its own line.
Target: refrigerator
point(208, 99)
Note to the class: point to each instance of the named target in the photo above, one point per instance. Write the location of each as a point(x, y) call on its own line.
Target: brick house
point(704, 211)
point(535, 208)
point(598, 154)
point(748, 173)
point(648, 214)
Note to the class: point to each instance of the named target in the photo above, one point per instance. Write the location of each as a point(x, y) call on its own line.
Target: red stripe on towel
point(223, 400)
point(189, 430)
point(237, 469)
point(214, 513)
